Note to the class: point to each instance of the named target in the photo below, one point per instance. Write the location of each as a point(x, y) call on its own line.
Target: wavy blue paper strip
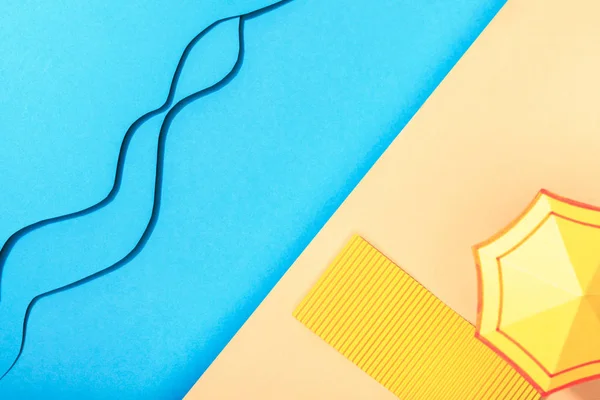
point(13, 334)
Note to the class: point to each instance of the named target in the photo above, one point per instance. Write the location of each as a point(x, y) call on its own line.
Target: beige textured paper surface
point(519, 112)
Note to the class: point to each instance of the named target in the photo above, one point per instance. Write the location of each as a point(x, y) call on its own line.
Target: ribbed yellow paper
point(400, 334)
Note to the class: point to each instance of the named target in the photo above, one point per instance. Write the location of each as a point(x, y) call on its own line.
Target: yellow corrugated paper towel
point(395, 330)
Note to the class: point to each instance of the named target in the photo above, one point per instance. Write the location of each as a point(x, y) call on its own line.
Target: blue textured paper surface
point(251, 172)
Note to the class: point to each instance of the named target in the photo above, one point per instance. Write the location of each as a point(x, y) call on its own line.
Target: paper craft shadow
point(21, 289)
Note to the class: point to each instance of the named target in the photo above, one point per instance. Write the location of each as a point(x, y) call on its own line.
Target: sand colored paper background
point(517, 113)
point(324, 89)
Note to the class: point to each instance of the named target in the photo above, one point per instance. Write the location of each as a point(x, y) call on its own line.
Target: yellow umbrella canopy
point(539, 292)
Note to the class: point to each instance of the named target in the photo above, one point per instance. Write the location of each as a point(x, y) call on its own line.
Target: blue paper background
point(251, 172)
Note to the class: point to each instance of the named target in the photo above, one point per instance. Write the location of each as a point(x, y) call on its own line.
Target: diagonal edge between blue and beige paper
point(250, 173)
